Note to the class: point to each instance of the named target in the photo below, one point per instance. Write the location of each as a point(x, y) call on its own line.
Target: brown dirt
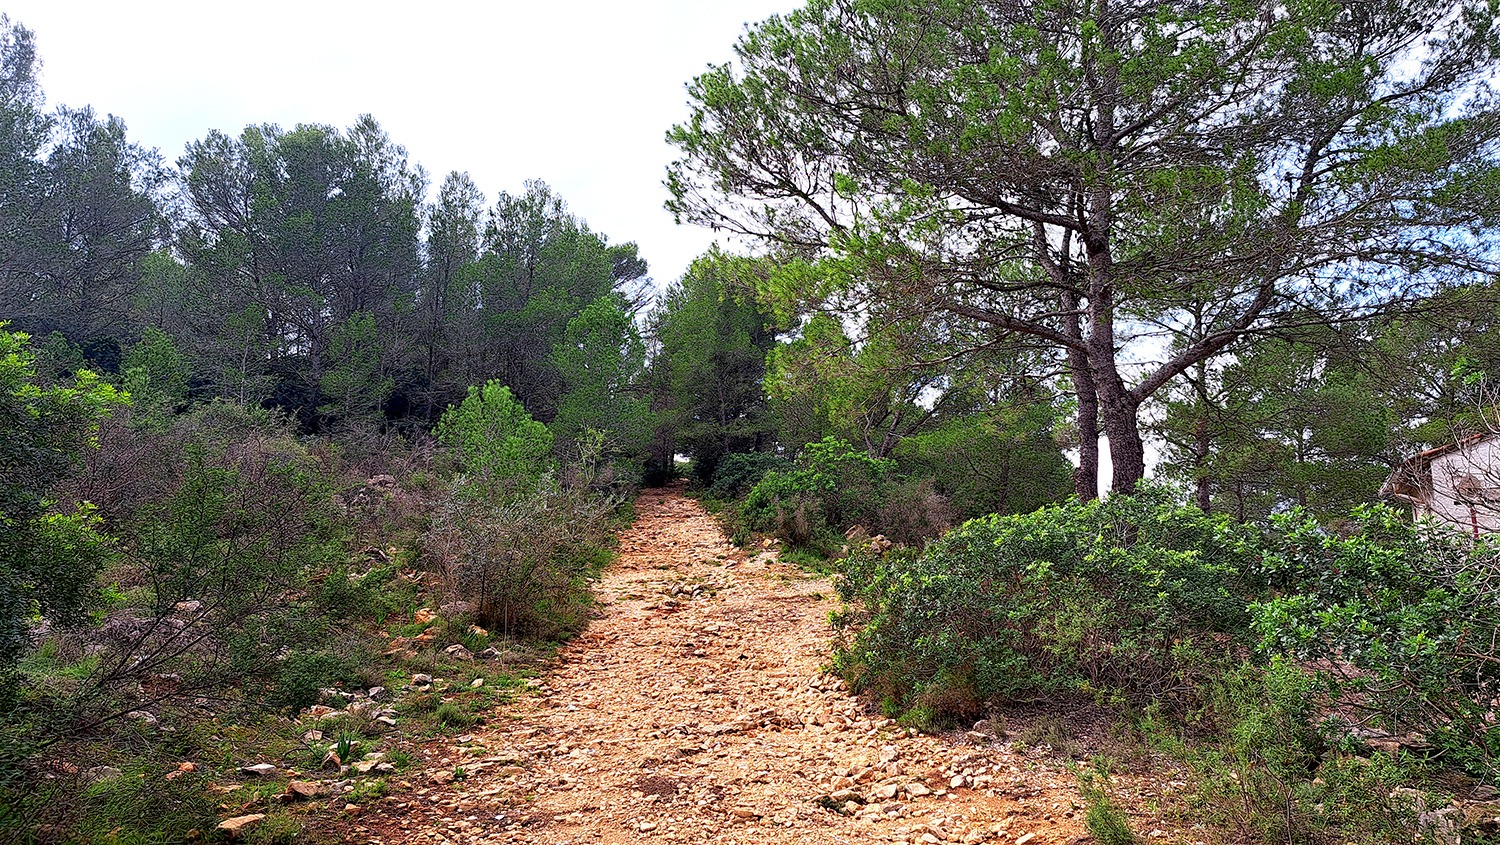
point(695, 709)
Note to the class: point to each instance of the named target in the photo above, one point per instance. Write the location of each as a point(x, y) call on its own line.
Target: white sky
point(578, 94)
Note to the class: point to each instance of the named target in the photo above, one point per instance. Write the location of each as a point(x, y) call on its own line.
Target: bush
point(494, 436)
point(1104, 819)
point(48, 559)
point(1262, 773)
point(982, 466)
point(741, 471)
point(523, 562)
point(834, 487)
point(210, 597)
point(1403, 621)
point(1126, 596)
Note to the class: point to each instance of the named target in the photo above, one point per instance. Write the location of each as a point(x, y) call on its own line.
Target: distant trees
point(291, 237)
point(712, 340)
point(1318, 416)
point(1304, 421)
point(79, 212)
point(538, 268)
point(601, 360)
point(307, 283)
point(299, 268)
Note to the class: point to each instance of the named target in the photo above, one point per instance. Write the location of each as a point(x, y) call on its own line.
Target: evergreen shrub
point(834, 486)
point(741, 471)
point(1401, 621)
point(1128, 596)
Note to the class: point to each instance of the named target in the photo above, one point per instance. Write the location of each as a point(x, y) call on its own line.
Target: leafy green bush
point(1403, 620)
point(1125, 595)
point(835, 486)
point(983, 466)
point(1104, 820)
point(47, 559)
point(211, 594)
point(302, 674)
point(494, 436)
point(741, 471)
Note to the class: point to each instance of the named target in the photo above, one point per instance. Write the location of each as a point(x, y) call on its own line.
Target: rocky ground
point(696, 710)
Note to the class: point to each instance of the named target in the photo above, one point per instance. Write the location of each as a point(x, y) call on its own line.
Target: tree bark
point(1201, 442)
point(1086, 475)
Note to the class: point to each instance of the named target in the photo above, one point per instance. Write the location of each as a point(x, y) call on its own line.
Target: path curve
point(695, 710)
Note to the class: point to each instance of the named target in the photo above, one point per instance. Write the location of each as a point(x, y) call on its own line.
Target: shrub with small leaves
point(741, 471)
point(834, 486)
point(1124, 595)
point(1402, 618)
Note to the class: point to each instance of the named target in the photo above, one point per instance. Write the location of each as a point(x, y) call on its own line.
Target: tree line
point(1256, 240)
point(302, 268)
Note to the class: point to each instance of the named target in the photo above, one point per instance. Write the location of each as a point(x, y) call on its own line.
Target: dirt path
point(695, 710)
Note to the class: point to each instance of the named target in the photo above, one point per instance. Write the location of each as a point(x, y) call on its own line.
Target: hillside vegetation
point(306, 462)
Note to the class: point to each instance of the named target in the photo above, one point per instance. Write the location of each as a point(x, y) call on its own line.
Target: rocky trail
point(695, 709)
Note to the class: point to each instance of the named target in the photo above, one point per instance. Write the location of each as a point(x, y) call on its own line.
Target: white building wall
point(1466, 487)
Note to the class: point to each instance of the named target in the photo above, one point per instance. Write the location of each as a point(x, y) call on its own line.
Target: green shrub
point(991, 463)
point(301, 675)
point(210, 601)
point(494, 436)
point(741, 471)
point(48, 558)
point(1126, 595)
point(835, 486)
point(450, 715)
point(1402, 618)
point(1260, 772)
point(1104, 820)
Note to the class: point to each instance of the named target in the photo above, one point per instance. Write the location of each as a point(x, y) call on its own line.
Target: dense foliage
point(1126, 595)
point(495, 439)
point(833, 488)
point(1403, 618)
point(291, 418)
point(1381, 624)
point(1126, 189)
point(516, 544)
point(48, 558)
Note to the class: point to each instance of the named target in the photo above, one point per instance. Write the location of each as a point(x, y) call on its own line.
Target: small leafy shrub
point(983, 464)
point(301, 675)
point(1126, 596)
point(741, 471)
point(494, 437)
point(450, 715)
point(1104, 819)
point(835, 486)
point(48, 556)
point(1402, 620)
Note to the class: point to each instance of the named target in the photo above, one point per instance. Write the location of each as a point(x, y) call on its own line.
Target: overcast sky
point(578, 94)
